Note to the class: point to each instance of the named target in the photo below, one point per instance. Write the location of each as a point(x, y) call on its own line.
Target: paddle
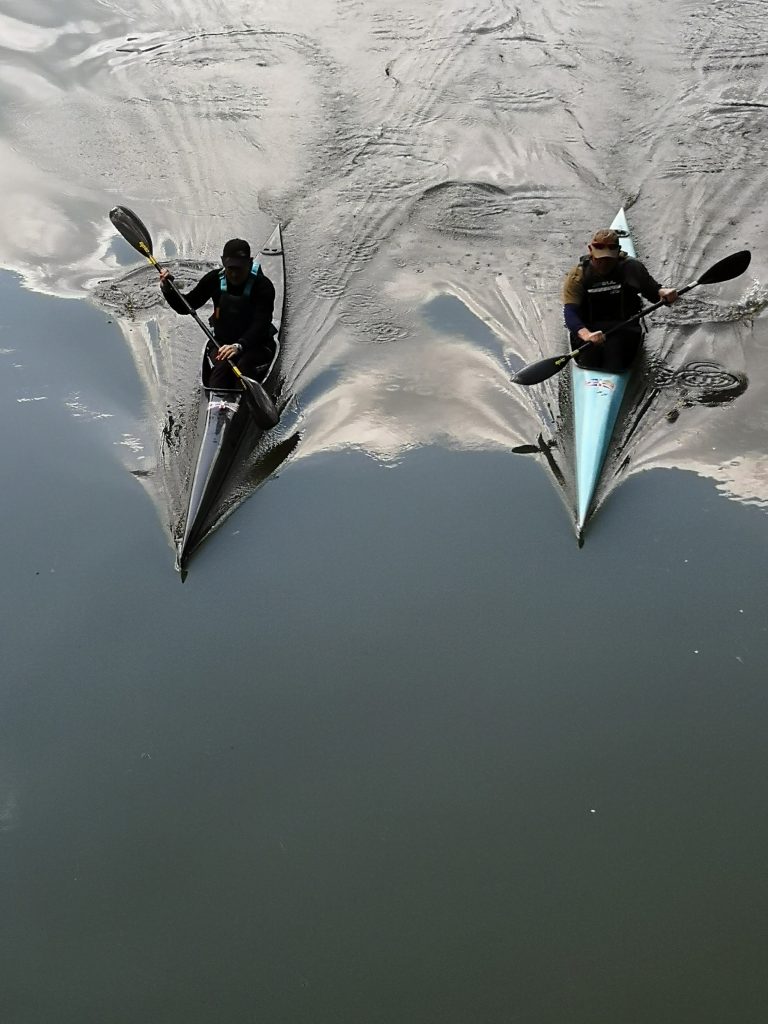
point(724, 270)
point(134, 231)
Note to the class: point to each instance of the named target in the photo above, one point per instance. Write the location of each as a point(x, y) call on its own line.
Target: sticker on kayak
point(601, 383)
point(221, 404)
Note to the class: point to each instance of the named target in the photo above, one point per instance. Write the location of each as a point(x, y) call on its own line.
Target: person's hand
point(228, 352)
point(166, 277)
point(594, 338)
point(668, 295)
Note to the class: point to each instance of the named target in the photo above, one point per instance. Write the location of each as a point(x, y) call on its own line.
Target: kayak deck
point(597, 399)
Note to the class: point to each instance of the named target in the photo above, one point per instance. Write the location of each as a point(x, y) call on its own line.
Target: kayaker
point(243, 302)
point(606, 288)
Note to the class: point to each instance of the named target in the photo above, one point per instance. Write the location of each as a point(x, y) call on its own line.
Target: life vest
point(234, 313)
point(608, 299)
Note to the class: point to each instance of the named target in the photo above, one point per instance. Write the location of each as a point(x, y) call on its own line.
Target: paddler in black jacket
point(601, 292)
point(243, 303)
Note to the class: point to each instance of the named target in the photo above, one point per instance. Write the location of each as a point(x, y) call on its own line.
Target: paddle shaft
point(634, 319)
point(650, 309)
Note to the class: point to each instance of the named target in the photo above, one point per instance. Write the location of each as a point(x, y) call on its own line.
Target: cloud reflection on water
point(414, 158)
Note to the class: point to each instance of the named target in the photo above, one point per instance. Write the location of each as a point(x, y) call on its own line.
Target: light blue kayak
point(597, 398)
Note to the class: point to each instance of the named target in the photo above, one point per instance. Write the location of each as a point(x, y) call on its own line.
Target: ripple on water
point(137, 292)
point(8, 807)
point(80, 410)
point(477, 209)
point(704, 381)
point(364, 314)
point(326, 282)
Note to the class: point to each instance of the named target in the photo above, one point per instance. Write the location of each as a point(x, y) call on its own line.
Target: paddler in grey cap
point(606, 288)
point(243, 302)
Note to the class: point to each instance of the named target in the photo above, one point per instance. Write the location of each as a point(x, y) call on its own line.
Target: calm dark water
point(397, 751)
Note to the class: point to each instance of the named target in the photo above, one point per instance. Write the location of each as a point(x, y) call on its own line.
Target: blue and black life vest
point(234, 314)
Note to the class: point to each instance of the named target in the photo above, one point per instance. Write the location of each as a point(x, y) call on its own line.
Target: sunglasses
point(607, 250)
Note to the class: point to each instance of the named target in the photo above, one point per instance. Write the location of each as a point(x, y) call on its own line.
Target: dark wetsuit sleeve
point(572, 319)
point(206, 288)
point(638, 277)
point(263, 301)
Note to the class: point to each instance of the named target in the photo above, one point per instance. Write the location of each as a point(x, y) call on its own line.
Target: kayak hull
point(224, 418)
point(597, 399)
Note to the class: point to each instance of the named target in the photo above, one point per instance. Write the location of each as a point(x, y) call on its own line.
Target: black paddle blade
point(262, 407)
point(132, 229)
point(725, 270)
point(535, 373)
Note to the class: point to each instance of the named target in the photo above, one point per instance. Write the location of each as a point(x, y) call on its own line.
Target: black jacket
point(237, 318)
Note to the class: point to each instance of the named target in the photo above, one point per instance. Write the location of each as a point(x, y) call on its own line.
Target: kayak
point(597, 397)
point(224, 416)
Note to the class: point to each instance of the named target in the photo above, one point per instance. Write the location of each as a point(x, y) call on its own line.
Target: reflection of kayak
point(224, 416)
point(597, 398)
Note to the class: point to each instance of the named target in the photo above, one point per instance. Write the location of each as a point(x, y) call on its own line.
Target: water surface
point(397, 750)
